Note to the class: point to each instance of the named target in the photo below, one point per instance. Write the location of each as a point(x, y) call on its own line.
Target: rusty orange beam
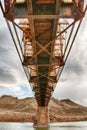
point(43, 16)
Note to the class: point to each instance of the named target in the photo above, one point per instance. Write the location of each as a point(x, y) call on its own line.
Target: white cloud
point(12, 75)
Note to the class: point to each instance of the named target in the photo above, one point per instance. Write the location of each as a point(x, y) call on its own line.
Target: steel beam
point(44, 16)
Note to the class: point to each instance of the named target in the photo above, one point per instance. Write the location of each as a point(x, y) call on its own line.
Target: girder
point(45, 25)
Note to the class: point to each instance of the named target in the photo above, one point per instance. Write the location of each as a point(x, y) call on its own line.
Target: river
point(54, 126)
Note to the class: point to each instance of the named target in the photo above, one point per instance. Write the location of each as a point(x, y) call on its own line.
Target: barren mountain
point(14, 109)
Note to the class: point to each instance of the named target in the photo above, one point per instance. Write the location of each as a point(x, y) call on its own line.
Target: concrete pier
point(42, 117)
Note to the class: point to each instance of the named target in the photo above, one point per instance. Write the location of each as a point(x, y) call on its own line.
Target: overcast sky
point(72, 83)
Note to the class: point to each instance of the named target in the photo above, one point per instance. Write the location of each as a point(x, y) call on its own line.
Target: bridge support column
point(42, 117)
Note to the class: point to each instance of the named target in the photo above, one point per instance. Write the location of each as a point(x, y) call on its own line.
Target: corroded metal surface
point(44, 25)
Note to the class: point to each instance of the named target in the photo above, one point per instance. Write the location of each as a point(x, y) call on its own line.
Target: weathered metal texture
point(44, 36)
point(20, 9)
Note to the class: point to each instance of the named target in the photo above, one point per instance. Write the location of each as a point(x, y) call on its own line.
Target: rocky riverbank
point(13, 109)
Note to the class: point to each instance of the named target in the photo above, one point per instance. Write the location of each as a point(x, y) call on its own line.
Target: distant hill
point(14, 109)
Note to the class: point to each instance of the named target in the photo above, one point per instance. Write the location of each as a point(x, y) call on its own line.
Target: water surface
point(53, 126)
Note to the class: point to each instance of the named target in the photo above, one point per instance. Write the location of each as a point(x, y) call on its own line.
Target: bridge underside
point(44, 24)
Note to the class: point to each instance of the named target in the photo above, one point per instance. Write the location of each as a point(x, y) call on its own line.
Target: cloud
point(6, 76)
point(11, 71)
point(24, 91)
point(20, 91)
point(2, 51)
point(72, 90)
point(74, 67)
point(73, 81)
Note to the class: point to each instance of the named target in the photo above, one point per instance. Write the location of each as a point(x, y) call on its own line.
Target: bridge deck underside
point(42, 38)
point(44, 33)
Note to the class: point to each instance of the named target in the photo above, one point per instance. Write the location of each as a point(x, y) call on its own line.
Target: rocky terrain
point(24, 110)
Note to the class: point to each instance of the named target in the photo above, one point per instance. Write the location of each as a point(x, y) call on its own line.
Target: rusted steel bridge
point(49, 31)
